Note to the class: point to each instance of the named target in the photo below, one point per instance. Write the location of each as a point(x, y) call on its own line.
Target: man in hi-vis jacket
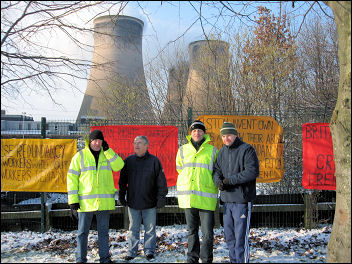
point(196, 191)
point(91, 190)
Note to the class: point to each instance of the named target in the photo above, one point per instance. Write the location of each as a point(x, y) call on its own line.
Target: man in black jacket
point(144, 180)
point(235, 173)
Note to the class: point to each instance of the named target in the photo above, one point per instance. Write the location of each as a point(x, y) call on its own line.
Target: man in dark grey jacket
point(235, 173)
point(144, 181)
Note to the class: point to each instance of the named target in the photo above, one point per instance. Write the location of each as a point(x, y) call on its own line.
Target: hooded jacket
point(239, 163)
point(93, 186)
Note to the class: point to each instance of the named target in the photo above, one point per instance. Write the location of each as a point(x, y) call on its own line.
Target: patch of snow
point(283, 245)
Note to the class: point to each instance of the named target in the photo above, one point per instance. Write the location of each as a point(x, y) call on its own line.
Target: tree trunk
point(339, 247)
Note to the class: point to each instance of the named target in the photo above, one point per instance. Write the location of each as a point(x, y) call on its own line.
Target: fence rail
point(171, 209)
point(268, 211)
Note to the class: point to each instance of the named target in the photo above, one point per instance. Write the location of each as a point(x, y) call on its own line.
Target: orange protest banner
point(36, 165)
point(262, 132)
point(318, 157)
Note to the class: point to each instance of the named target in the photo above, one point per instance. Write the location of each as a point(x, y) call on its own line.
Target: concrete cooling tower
point(208, 81)
point(116, 87)
point(177, 82)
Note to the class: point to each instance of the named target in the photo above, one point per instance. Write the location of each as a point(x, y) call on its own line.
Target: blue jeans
point(149, 221)
point(237, 219)
point(195, 216)
point(84, 222)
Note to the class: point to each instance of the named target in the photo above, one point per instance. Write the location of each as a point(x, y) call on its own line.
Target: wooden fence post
point(308, 211)
point(48, 217)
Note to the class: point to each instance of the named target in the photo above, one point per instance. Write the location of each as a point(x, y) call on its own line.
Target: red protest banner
point(163, 143)
point(318, 157)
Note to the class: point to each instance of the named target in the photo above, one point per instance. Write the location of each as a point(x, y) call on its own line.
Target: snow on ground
point(283, 245)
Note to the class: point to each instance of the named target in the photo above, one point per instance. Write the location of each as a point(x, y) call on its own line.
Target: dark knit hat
point(228, 128)
point(96, 134)
point(197, 125)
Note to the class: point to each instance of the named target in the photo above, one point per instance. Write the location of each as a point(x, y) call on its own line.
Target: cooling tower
point(208, 85)
point(177, 82)
point(116, 87)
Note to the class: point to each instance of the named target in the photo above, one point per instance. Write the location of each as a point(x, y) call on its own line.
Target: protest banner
point(262, 132)
point(318, 157)
point(36, 165)
point(163, 143)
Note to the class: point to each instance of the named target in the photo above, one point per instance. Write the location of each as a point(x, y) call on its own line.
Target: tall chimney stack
point(177, 81)
point(116, 87)
point(208, 85)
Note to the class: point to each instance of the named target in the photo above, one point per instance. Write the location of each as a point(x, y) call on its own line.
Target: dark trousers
point(205, 218)
point(237, 218)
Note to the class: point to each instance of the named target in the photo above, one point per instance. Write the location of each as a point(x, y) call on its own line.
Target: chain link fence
point(282, 204)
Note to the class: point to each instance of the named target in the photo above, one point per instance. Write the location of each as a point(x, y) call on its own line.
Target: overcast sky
point(163, 23)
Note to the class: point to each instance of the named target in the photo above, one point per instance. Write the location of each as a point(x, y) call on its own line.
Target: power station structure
point(116, 87)
point(208, 85)
point(177, 82)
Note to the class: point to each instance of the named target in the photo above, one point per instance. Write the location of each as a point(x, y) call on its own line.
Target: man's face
point(228, 139)
point(197, 134)
point(140, 147)
point(96, 144)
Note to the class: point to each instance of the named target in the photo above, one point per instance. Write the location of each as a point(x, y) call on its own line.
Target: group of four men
point(202, 172)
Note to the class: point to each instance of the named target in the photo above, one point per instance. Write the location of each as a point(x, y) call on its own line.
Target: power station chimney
point(177, 82)
point(116, 87)
point(208, 85)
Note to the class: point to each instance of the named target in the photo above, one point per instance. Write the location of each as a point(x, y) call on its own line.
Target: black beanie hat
point(228, 128)
point(96, 134)
point(197, 125)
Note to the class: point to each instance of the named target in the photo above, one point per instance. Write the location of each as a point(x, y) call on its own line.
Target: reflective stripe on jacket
point(195, 186)
point(90, 186)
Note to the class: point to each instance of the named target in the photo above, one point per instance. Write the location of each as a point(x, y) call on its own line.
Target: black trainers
point(128, 258)
point(149, 256)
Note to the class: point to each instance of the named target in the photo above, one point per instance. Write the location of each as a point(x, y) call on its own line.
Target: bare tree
point(268, 61)
point(126, 100)
point(318, 71)
point(27, 59)
point(167, 76)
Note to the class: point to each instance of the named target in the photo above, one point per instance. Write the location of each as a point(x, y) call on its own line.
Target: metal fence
point(282, 204)
point(279, 210)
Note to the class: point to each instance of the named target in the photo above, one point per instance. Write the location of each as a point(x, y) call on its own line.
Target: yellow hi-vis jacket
point(195, 185)
point(90, 186)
